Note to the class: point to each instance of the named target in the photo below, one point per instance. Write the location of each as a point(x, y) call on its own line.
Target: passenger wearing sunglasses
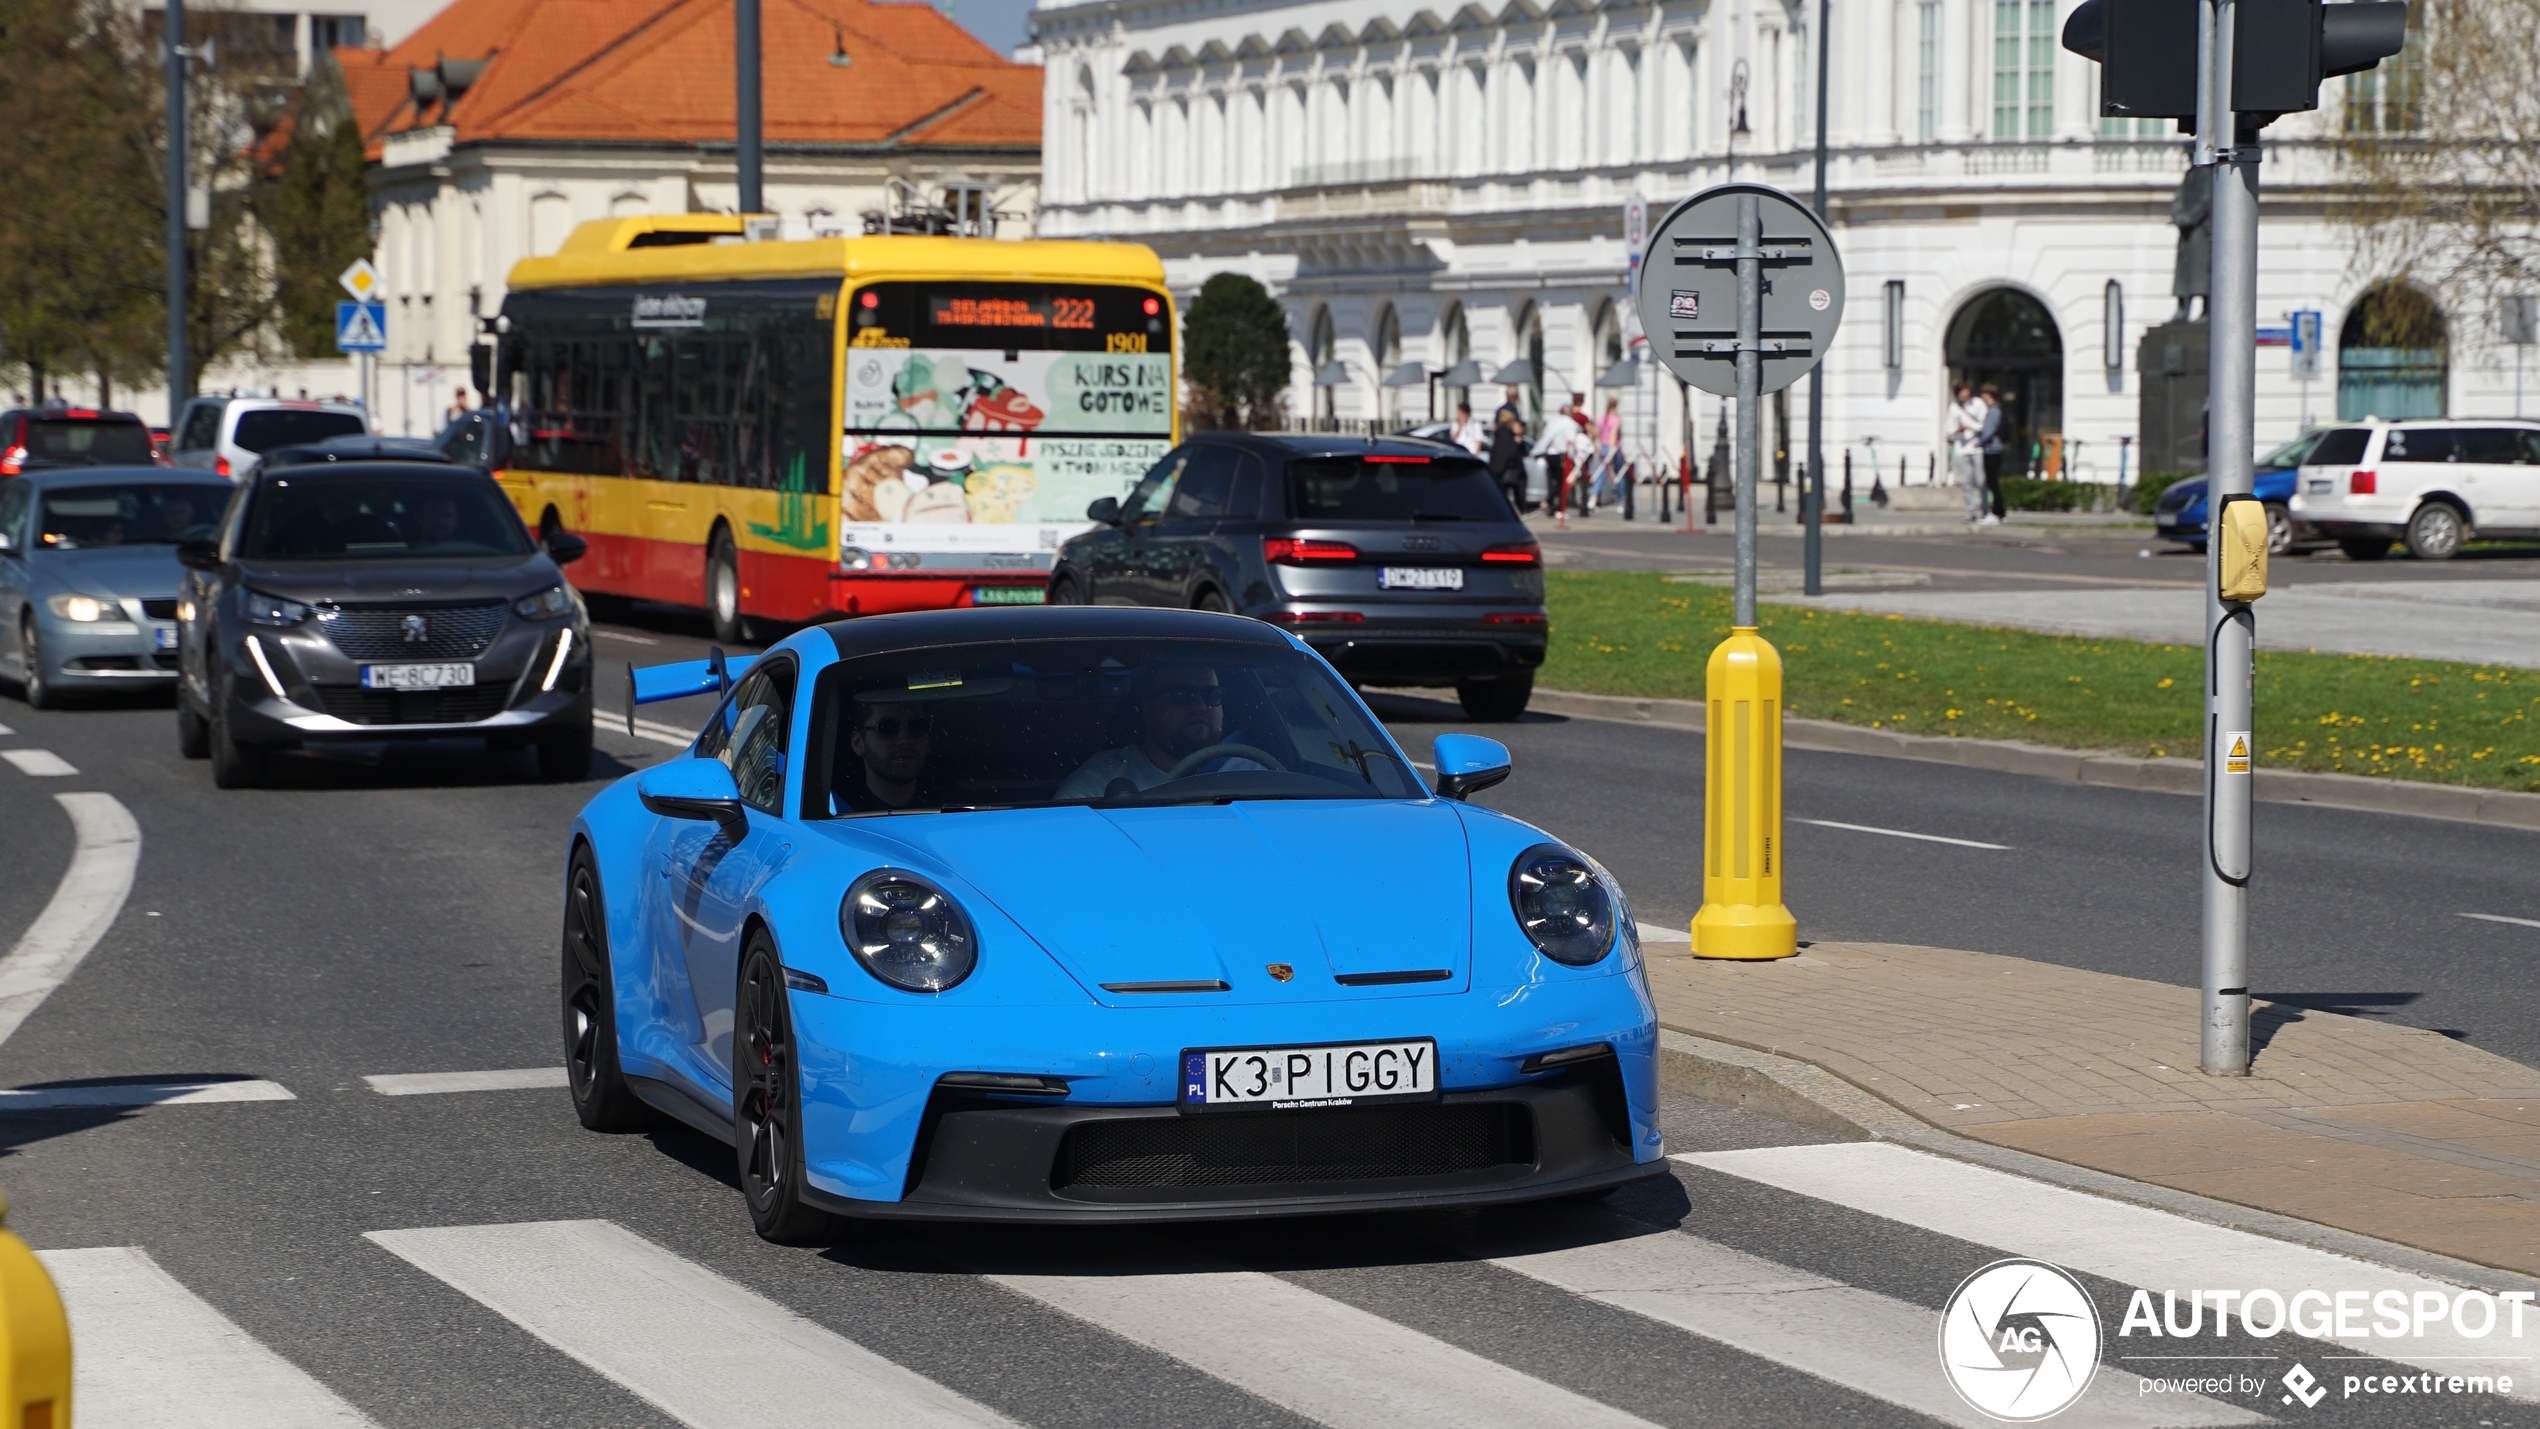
point(1181, 711)
point(891, 744)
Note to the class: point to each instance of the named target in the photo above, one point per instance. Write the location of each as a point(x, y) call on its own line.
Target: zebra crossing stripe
point(1311, 1354)
point(2130, 1244)
point(416, 1084)
point(1861, 1340)
point(151, 1354)
point(692, 1344)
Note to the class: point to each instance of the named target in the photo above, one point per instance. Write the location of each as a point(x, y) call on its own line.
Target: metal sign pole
point(180, 383)
point(1750, 381)
point(2231, 638)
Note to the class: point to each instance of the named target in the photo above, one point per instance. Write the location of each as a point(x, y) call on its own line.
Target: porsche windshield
point(1102, 722)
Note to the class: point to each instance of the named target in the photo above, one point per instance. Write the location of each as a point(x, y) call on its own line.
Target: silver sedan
point(88, 575)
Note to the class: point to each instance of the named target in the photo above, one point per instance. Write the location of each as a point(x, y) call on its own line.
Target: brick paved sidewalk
point(2387, 1131)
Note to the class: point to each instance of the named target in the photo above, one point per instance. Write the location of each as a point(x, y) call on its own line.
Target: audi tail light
point(1513, 553)
point(1298, 551)
point(1317, 617)
point(2364, 483)
point(1528, 617)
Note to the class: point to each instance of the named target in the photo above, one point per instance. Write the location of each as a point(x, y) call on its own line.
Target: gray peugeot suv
point(1397, 560)
point(363, 601)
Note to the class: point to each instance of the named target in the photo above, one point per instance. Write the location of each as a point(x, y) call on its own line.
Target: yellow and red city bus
point(834, 426)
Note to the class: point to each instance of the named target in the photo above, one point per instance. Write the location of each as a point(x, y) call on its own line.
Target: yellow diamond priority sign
point(361, 280)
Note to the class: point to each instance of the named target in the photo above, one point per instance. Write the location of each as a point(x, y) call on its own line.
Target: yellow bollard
point(1742, 914)
point(35, 1340)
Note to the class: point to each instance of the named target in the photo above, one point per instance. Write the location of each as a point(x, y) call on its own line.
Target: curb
point(2102, 767)
point(1808, 1095)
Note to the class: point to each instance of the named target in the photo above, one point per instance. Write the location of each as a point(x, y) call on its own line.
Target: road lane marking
point(2501, 918)
point(5, 731)
point(194, 1093)
point(1311, 1354)
point(2133, 1245)
point(1859, 1339)
point(39, 763)
point(1898, 833)
point(621, 635)
point(415, 1084)
point(647, 729)
point(106, 850)
point(1655, 933)
point(153, 1353)
point(692, 1344)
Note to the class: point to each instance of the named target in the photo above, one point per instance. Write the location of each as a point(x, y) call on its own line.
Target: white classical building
point(1439, 190)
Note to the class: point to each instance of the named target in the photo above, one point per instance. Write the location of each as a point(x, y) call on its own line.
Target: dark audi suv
point(1398, 560)
point(374, 601)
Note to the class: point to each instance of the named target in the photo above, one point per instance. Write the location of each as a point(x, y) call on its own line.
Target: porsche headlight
point(83, 608)
point(547, 604)
point(258, 608)
point(1562, 905)
point(908, 932)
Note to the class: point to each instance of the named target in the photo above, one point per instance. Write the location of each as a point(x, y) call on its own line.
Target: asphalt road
point(386, 913)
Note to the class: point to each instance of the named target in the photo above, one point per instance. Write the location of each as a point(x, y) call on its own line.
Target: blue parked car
point(1083, 914)
point(2180, 514)
point(88, 574)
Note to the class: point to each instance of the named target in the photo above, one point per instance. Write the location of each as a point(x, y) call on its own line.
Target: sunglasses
point(889, 728)
point(1188, 695)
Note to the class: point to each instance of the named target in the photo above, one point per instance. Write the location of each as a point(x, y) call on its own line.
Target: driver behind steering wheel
point(1181, 711)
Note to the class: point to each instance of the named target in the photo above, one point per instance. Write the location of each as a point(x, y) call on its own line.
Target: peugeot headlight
point(83, 608)
point(908, 932)
point(1564, 908)
point(547, 604)
point(258, 608)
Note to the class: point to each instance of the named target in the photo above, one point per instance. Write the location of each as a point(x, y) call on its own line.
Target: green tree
point(1234, 354)
point(315, 206)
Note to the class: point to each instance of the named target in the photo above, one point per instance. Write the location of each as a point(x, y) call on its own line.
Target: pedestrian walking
point(1564, 439)
point(1989, 441)
point(1966, 448)
point(1467, 430)
point(1508, 456)
point(1609, 448)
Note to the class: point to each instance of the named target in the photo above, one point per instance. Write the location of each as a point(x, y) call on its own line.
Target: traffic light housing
point(2282, 51)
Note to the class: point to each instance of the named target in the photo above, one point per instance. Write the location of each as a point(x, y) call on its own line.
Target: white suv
point(230, 434)
point(2432, 484)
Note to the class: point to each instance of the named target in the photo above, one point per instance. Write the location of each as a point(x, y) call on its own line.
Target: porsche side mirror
point(695, 789)
point(1105, 511)
point(564, 547)
point(1467, 764)
point(198, 555)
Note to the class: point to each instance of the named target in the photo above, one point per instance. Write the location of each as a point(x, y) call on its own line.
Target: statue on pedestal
point(2192, 210)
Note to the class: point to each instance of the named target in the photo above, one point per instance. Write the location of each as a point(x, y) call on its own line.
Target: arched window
point(550, 219)
point(2006, 340)
point(2391, 357)
point(1455, 359)
point(1525, 387)
point(1391, 381)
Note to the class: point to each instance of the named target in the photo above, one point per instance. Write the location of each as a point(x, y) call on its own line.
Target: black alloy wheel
point(767, 1108)
point(1496, 701)
point(723, 591)
point(234, 765)
point(38, 690)
point(601, 1097)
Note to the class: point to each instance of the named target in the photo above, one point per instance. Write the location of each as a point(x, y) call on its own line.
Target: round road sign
point(1688, 289)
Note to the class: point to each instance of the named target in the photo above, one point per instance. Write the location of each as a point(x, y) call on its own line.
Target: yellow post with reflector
point(35, 1340)
point(1742, 914)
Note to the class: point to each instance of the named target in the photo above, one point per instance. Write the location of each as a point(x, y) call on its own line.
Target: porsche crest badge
point(1279, 971)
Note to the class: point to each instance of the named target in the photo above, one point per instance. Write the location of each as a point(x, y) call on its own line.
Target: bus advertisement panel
point(981, 418)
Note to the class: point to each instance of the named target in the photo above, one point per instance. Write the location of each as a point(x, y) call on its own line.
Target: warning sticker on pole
point(2236, 752)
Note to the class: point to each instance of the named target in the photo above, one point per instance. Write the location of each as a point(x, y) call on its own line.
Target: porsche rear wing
point(651, 684)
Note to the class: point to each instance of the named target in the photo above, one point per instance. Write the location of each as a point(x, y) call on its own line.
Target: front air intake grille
point(160, 609)
point(460, 706)
point(1226, 1150)
point(384, 632)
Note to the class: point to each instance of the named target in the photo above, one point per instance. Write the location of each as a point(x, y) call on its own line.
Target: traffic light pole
point(2231, 633)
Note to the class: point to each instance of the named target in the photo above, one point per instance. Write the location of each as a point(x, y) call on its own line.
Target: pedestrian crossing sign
point(361, 327)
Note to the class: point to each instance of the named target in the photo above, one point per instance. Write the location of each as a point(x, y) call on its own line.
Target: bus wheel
point(723, 591)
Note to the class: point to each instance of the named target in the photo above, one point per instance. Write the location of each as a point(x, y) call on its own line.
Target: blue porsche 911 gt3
point(1094, 914)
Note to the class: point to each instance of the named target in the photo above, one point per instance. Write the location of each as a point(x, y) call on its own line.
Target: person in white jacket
point(1966, 448)
point(1567, 438)
point(1467, 430)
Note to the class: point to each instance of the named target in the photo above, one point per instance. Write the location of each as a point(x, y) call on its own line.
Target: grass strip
point(1636, 633)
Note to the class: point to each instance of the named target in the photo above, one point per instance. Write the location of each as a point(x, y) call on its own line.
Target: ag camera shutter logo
point(2019, 1341)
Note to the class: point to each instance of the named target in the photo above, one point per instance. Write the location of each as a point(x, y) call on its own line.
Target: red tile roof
point(660, 71)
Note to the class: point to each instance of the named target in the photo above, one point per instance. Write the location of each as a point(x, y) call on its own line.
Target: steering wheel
point(1198, 757)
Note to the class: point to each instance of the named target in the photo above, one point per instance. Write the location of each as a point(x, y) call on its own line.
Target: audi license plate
point(166, 637)
point(1007, 595)
point(1420, 578)
point(418, 677)
point(1332, 1074)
